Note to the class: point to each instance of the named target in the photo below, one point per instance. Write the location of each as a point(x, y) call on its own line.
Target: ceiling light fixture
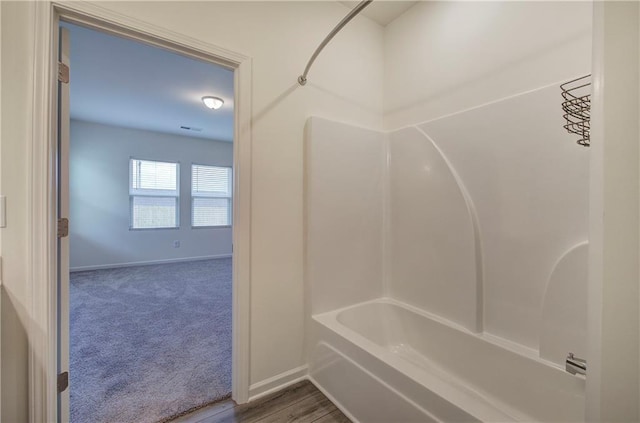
point(212, 102)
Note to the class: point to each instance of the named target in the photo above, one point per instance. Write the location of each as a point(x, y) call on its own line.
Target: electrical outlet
point(176, 244)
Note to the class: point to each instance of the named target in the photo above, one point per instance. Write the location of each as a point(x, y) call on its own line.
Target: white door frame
point(42, 251)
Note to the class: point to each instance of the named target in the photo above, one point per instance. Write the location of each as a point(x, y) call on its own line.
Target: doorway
point(194, 179)
point(150, 194)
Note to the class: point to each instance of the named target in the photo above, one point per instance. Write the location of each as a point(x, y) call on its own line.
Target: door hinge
point(63, 73)
point(63, 381)
point(63, 227)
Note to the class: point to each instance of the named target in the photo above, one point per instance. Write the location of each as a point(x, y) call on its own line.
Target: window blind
point(154, 194)
point(211, 191)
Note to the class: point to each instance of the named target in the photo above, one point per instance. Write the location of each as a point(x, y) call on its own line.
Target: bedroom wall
point(99, 197)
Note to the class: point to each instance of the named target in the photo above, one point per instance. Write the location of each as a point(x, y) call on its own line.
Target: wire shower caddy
point(577, 108)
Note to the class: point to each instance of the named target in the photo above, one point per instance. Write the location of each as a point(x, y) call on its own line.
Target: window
point(153, 191)
point(210, 196)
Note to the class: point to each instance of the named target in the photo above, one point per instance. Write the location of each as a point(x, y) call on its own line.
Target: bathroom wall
point(99, 233)
point(491, 112)
point(17, 75)
point(431, 248)
point(344, 188)
point(443, 57)
point(485, 208)
point(344, 84)
point(613, 382)
point(481, 220)
point(528, 184)
point(485, 222)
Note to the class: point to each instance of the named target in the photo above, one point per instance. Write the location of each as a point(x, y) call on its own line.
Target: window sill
point(154, 229)
point(212, 227)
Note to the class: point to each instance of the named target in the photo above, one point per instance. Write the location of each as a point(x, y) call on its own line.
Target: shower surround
point(446, 264)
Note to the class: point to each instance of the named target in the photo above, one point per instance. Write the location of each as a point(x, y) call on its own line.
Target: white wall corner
point(386, 218)
point(613, 351)
point(4, 218)
point(278, 382)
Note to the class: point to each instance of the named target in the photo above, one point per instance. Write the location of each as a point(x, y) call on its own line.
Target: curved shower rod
point(302, 79)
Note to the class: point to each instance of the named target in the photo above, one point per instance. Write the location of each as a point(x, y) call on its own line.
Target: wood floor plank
point(220, 408)
point(210, 410)
point(264, 407)
point(293, 392)
point(300, 403)
point(306, 410)
point(336, 416)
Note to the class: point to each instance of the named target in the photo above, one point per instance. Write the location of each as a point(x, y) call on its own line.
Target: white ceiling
point(382, 11)
point(120, 82)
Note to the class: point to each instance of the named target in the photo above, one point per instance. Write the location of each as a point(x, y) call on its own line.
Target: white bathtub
point(383, 361)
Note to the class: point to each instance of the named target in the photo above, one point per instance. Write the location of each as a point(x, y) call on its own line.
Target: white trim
point(2, 224)
point(278, 382)
point(41, 210)
point(242, 231)
point(595, 279)
point(41, 238)
point(147, 263)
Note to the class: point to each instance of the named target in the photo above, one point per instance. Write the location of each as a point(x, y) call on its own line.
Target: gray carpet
point(151, 342)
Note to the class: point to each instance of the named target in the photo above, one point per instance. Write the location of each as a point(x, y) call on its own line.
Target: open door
point(63, 226)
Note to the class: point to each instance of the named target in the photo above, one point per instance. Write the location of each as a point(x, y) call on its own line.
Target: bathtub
point(384, 361)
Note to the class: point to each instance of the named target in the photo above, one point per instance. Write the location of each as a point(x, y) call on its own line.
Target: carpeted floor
point(151, 342)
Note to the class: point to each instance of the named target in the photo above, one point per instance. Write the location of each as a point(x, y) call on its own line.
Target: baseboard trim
point(146, 263)
point(277, 382)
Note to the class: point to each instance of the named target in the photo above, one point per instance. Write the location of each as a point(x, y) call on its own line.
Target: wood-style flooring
point(300, 403)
